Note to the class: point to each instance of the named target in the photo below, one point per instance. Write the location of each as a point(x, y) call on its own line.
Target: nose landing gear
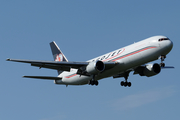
point(162, 59)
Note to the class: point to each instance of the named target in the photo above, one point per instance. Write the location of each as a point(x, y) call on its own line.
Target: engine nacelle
point(95, 67)
point(152, 69)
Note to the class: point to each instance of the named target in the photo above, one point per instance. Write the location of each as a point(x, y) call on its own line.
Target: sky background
point(84, 29)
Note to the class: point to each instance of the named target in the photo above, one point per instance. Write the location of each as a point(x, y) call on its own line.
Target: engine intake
point(152, 69)
point(95, 67)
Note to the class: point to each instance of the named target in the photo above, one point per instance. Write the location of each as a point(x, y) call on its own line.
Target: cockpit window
point(162, 39)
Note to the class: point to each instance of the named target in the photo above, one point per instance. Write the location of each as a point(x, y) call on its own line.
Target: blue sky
point(85, 29)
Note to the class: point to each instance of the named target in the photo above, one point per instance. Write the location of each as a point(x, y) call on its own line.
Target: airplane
point(116, 64)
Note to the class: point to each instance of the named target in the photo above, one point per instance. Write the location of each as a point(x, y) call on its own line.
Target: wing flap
point(55, 67)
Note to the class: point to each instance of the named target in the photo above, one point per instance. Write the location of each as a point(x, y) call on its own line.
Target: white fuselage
point(128, 58)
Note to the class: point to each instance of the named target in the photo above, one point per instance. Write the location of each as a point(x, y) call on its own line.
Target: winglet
point(8, 59)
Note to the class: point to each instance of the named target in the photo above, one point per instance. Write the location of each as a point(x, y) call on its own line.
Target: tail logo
point(59, 57)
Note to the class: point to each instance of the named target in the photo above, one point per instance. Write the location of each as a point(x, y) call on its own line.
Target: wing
point(150, 69)
point(44, 77)
point(144, 70)
point(64, 66)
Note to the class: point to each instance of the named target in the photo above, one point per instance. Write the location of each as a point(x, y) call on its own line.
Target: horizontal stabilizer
point(44, 77)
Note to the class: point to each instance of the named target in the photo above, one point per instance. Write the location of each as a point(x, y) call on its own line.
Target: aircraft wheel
point(125, 84)
point(129, 84)
point(122, 83)
point(162, 64)
point(92, 82)
point(96, 83)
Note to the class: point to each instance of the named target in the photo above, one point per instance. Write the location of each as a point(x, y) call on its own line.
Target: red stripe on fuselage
point(71, 76)
point(133, 53)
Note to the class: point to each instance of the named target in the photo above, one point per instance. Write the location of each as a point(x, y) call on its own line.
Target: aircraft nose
point(170, 44)
point(166, 46)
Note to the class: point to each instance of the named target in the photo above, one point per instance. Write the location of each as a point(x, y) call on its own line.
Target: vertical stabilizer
point(57, 54)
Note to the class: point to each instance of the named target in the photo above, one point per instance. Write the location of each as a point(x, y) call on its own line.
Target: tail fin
point(57, 54)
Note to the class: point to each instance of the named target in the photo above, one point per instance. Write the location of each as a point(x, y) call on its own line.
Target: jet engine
point(152, 69)
point(95, 67)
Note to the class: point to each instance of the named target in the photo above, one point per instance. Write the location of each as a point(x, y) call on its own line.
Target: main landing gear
point(162, 59)
point(126, 83)
point(93, 81)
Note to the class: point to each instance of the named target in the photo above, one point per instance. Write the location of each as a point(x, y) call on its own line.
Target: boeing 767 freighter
point(118, 63)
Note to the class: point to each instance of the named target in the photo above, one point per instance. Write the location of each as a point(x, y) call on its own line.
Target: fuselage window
point(113, 54)
point(98, 58)
point(118, 51)
point(103, 57)
point(108, 55)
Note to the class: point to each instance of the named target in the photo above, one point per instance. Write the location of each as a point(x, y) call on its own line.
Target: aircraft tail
point(57, 54)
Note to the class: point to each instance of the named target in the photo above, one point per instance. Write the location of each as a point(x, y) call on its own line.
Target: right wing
point(44, 77)
point(65, 66)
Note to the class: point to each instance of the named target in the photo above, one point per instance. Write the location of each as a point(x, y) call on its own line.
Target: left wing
point(144, 70)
